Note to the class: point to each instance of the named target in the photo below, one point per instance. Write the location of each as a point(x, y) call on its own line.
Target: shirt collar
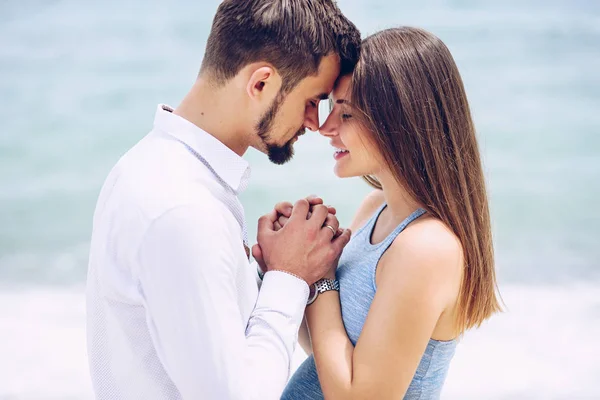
point(228, 167)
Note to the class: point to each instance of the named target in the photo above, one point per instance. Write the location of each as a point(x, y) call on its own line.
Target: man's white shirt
point(173, 308)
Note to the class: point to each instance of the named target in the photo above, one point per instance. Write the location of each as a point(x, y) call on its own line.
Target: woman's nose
point(329, 127)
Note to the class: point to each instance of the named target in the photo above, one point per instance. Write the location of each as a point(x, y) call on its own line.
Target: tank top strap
point(385, 243)
point(367, 228)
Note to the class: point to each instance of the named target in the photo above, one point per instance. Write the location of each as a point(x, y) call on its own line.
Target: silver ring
point(332, 229)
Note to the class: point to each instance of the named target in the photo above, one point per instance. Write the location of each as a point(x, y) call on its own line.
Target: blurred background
point(79, 85)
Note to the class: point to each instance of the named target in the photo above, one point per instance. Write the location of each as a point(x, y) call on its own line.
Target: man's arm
point(187, 277)
point(284, 211)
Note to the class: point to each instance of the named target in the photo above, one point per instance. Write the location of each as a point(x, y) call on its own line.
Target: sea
point(80, 83)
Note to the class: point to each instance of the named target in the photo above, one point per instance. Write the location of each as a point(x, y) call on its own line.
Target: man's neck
point(213, 111)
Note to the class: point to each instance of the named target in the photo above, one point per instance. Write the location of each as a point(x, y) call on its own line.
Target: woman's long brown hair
point(410, 96)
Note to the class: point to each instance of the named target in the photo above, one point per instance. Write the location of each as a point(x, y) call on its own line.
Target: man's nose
point(311, 121)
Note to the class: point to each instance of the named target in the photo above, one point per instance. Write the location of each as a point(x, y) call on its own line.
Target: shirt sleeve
point(187, 276)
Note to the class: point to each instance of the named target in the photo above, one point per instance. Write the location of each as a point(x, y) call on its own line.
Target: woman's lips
point(340, 153)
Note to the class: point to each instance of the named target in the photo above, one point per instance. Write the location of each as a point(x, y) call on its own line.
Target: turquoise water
point(79, 84)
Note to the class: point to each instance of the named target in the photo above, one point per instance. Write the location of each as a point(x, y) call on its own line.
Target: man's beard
point(277, 154)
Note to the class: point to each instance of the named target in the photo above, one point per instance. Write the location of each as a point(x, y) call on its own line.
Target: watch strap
point(322, 286)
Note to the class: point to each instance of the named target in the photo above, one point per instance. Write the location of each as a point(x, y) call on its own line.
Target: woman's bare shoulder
point(426, 249)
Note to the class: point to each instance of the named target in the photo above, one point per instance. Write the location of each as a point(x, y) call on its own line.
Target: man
point(174, 311)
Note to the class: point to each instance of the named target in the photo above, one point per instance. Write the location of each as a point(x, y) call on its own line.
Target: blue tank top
point(356, 274)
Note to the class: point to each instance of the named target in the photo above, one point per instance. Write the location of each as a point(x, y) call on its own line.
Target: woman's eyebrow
point(338, 101)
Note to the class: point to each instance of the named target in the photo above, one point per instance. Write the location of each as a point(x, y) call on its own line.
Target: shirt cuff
point(285, 293)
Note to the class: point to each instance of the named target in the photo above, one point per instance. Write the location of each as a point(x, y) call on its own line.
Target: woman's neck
point(399, 204)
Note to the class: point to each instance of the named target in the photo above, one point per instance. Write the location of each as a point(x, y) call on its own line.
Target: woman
point(419, 270)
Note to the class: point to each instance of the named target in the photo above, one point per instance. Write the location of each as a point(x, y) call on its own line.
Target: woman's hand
point(284, 209)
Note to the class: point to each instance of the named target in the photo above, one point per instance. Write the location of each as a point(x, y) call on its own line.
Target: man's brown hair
point(292, 35)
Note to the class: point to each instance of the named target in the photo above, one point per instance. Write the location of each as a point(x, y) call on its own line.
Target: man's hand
point(305, 246)
point(284, 211)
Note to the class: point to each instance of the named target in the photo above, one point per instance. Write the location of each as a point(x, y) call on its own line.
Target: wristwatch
point(321, 286)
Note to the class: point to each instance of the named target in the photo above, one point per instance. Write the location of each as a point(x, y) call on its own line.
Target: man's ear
point(264, 82)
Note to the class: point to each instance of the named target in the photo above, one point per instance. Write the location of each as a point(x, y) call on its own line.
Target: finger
point(258, 256)
point(282, 220)
point(300, 210)
point(284, 208)
point(257, 252)
point(319, 214)
point(341, 241)
point(313, 200)
point(277, 225)
point(330, 209)
point(332, 221)
point(265, 223)
point(330, 227)
point(268, 219)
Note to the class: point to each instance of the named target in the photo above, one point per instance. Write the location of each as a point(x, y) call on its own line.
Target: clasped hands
point(303, 239)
